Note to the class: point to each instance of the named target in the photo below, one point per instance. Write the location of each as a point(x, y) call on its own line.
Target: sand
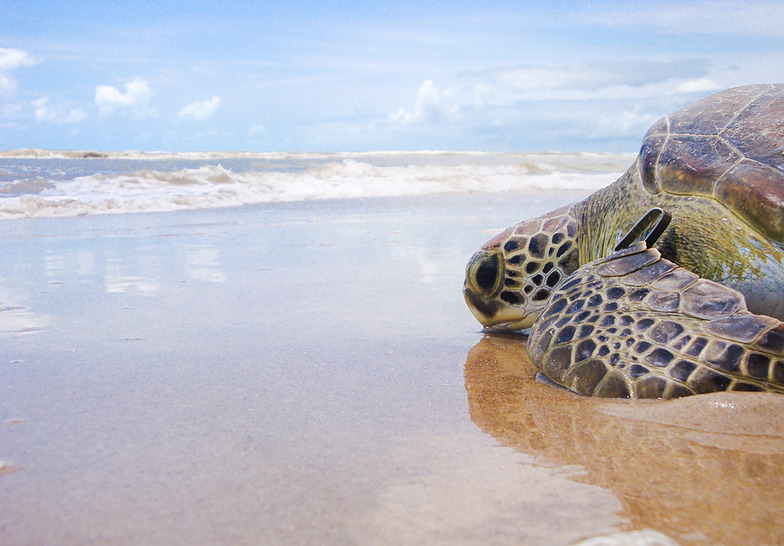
point(309, 373)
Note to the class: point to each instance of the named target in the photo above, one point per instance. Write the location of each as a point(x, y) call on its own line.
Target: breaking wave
point(38, 183)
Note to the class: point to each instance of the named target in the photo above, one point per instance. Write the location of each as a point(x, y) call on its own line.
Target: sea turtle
point(670, 310)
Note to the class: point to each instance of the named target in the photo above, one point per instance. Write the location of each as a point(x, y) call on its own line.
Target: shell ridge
point(761, 164)
point(740, 111)
point(667, 137)
point(741, 158)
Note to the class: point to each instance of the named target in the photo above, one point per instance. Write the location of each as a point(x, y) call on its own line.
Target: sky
point(369, 75)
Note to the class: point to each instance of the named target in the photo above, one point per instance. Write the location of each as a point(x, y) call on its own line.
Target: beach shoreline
point(306, 372)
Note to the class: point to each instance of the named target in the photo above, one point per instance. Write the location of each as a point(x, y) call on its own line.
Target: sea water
point(42, 183)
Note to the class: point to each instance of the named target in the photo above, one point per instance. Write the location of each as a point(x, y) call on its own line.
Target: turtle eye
point(487, 274)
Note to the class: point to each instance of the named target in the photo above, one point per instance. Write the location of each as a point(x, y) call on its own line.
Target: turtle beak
point(483, 284)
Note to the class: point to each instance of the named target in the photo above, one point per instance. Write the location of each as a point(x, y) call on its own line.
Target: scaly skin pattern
point(510, 279)
point(704, 237)
point(636, 325)
point(716, 168)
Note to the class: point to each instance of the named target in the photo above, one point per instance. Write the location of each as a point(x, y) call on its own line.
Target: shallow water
point(308, 372)
point(699, 469)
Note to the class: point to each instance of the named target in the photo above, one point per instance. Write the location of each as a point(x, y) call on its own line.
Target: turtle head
point(510, 279)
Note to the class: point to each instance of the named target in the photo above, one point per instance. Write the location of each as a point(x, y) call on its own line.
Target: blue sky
point(360, 76)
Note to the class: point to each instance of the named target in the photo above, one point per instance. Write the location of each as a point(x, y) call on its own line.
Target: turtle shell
point(729, 147)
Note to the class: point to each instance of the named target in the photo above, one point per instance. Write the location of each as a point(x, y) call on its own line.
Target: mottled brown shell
point(636, 325)
point(729, 147)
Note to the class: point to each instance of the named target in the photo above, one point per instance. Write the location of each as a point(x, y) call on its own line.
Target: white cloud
point(10, 60)
point(46, 112)
point(200, 109)
point(697, 86)
point(136, 98)
point(431, 105)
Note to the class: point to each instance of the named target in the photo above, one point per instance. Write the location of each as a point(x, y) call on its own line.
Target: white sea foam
point(165, 182)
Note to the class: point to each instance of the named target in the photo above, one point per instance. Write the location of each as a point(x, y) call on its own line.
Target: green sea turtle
point(688, 307)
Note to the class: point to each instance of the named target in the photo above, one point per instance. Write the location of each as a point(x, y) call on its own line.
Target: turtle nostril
point(487, 274)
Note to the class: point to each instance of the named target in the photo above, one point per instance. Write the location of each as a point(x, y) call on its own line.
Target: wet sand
point(309, 373)
point(705, 469)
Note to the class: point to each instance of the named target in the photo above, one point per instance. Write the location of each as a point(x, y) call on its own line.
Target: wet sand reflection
point(707, 468)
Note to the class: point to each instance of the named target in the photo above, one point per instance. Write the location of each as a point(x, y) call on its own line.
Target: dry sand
point(308, 373)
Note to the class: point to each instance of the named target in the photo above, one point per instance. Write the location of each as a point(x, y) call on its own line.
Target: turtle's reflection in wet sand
point(702, 469)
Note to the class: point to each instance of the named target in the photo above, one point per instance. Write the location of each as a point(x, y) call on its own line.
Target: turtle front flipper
point(636, 325)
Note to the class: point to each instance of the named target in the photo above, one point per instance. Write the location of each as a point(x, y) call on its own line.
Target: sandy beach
point(308, 373)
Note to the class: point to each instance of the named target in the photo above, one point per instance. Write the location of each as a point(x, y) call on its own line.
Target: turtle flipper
point(636, 325)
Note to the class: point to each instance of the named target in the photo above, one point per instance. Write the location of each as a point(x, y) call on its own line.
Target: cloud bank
point(549, 104)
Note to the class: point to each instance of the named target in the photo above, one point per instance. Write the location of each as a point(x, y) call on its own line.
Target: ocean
point(43, 183)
